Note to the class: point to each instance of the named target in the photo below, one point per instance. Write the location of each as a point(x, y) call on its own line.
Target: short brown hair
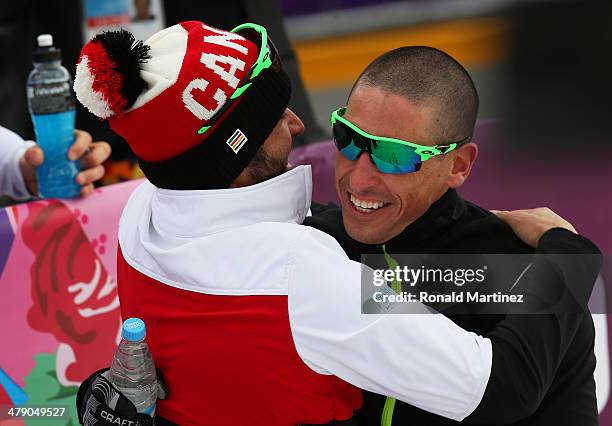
point(427, 76)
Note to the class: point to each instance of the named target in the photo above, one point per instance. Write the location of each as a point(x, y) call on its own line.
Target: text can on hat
point(159, 95)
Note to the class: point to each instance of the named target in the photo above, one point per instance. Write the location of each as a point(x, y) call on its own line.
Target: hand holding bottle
point(91, 155)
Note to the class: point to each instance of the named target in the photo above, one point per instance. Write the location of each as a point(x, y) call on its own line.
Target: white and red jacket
point(255, 319)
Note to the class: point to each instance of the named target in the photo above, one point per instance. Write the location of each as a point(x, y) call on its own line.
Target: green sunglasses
point(388, 154)
point(268, 58)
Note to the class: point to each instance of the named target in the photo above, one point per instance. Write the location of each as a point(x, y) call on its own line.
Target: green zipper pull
point(392, 264)
point(387, 415)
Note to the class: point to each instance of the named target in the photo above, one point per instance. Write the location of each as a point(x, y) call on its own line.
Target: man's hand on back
point(529, 225)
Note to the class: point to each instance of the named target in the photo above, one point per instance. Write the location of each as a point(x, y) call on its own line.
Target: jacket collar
point(285, 198)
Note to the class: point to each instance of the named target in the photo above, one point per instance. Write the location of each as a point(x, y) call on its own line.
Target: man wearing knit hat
point(197, 112)
point(252, 318)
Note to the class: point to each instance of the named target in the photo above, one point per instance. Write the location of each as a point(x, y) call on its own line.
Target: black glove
point(100, 403)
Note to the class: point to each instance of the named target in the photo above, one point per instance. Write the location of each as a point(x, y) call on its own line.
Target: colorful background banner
point(60, 307)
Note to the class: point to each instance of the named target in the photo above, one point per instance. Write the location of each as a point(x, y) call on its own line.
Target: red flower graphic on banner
point(74, 297)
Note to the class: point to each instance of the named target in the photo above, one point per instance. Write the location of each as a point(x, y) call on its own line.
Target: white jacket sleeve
point(424, 359)
point(12, 148)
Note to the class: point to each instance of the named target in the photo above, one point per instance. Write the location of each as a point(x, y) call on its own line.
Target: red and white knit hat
point(158, 94)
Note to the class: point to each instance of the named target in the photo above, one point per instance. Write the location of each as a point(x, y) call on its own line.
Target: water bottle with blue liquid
point(132, 370)
point(51, 104)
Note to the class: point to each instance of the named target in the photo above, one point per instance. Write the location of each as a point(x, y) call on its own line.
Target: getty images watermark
point(403, 276)
point(477, 284)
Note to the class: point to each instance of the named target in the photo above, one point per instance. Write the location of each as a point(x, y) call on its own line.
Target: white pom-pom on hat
point(108, 79)
point(85, 93)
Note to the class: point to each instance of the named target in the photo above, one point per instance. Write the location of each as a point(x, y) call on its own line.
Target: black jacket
point(542, 371)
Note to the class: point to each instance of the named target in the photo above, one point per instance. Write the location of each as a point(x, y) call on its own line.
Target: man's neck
point(436, 221)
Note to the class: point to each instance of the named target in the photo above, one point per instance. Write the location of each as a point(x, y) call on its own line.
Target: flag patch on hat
point(236, 141)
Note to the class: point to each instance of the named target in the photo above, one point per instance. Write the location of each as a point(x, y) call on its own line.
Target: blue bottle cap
point(133, 330)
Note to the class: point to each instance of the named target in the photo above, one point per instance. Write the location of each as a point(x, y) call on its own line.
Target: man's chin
point(365, 234)
point(366, 238)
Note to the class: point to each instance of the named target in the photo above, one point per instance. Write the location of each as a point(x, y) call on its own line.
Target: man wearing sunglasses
point(404, 146)
point(251, 317)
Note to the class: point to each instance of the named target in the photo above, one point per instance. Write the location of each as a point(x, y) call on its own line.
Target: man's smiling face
point(377, 206)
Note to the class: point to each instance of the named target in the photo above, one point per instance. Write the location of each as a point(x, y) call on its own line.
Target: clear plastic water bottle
point(132, 370)
point(51, 105)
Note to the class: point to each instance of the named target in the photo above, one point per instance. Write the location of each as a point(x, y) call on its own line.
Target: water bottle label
point(55, 135)
point(50, 98)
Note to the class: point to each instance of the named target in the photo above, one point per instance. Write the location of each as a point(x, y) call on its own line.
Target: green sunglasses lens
point(392, 157)
point(342, 135)
point(351, 151)
point(348, 143)
point(389, 157)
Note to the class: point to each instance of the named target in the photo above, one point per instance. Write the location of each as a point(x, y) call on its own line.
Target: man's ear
point(464, 158)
